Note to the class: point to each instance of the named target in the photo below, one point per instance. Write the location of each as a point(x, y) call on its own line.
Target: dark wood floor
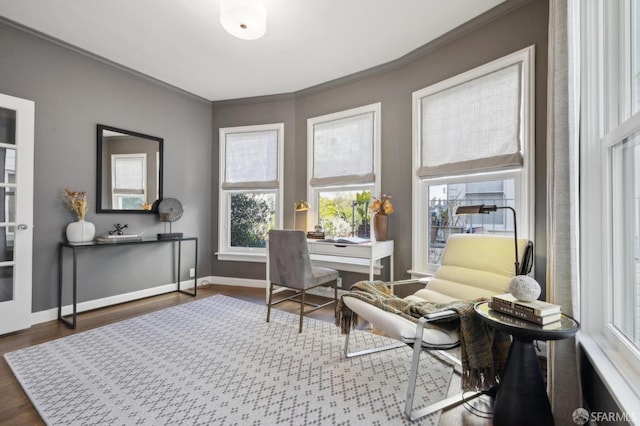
point(16, 409)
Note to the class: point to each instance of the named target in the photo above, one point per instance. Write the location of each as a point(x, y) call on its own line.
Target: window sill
point(617, 375)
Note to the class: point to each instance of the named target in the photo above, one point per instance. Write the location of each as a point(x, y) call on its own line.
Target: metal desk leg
point(371, 262)
point(60, 275)
point(73, 322)
point(178, 271)
point(195, 285)
point(195, 269)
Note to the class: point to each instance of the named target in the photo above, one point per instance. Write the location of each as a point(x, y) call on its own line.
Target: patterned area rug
point(216, 361)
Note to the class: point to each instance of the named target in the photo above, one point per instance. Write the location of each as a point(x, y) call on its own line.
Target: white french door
point(16, 212)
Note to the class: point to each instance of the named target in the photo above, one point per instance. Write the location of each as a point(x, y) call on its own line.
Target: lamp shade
point(301, 206)
point(244, 19)
point(476, 209)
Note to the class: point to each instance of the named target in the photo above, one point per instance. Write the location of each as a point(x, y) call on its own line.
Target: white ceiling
point(308, 42)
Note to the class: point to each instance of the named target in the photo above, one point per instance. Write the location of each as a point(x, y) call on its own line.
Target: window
point(473, 144)
point(344, 169)
point(250, 189)
point(610, 194)
point(128, 180)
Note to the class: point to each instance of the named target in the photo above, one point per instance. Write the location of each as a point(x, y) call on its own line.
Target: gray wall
point(523, 27)
point(72, 94)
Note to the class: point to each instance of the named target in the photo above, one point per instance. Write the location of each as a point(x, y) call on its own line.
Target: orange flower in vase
point(381, 207)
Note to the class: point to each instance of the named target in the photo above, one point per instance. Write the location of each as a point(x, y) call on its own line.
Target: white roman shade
point(251, 160)
point(343, 151)
point(129, 173)
point(474, 126)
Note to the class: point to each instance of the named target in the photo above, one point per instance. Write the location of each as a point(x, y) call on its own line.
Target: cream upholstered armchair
point(473, 266)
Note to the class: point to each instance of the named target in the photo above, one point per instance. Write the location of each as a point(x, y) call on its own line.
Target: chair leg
point(335, 299)
point(366, 351)
point(451, 401)
point(269, 301)
point(413, 375)
point(346, 338)
point(301, 312)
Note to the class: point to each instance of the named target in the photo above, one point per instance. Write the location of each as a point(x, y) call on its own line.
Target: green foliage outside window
point(252, 215)
point(342, 211)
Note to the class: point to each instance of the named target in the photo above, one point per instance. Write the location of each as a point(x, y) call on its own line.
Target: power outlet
point(192, 272)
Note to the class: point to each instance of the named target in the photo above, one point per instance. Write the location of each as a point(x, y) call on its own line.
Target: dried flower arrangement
point(77, 202)
point(381, 205)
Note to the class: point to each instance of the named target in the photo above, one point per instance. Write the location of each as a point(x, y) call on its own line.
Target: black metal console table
point(94, 244)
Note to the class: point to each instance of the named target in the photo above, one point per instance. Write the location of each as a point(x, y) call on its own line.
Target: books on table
point(537, 311)
point(515, 320)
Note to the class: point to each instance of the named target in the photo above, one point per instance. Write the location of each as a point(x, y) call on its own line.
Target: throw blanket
point(483, 351)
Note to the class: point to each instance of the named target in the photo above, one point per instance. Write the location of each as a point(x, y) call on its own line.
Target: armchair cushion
point(322, 275)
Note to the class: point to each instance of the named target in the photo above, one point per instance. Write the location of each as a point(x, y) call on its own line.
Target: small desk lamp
point(299, 206)
point(486, 209)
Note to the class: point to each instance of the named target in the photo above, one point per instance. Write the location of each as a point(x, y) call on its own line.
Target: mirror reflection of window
point(129, 175)
point(128, 180)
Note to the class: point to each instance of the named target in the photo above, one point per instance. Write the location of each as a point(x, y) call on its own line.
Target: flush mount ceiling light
point(245, 19)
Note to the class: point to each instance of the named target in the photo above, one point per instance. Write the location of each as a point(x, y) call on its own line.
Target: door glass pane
point(7, 126)
point(6, 243)
point(445, 199)
point(7, 165)
point(252, 215)
point(625, 210)
point(8, 199)
point(6, 283)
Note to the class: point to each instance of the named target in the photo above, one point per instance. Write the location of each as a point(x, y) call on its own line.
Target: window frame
point(116, 196)
point(225, 250)
point(606, 120)
point(313, 192)
point(524, 176)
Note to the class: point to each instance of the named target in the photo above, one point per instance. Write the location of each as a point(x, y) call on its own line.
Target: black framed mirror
point(129, 175)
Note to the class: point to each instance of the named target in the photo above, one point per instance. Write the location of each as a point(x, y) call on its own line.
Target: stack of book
point(315, 235)
point(538, 312)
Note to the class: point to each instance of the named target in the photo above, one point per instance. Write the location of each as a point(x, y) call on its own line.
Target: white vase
point(80, 231)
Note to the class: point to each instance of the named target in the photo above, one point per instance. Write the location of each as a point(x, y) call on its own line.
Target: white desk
point(341, 256)
point(320, 251)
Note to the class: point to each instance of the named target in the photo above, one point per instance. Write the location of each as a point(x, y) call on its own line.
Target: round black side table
point(522, 395)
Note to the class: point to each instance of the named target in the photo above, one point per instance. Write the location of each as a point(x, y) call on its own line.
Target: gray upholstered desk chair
point(288, 265)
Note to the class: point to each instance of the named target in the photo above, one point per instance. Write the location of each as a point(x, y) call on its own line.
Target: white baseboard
point(52, 314)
